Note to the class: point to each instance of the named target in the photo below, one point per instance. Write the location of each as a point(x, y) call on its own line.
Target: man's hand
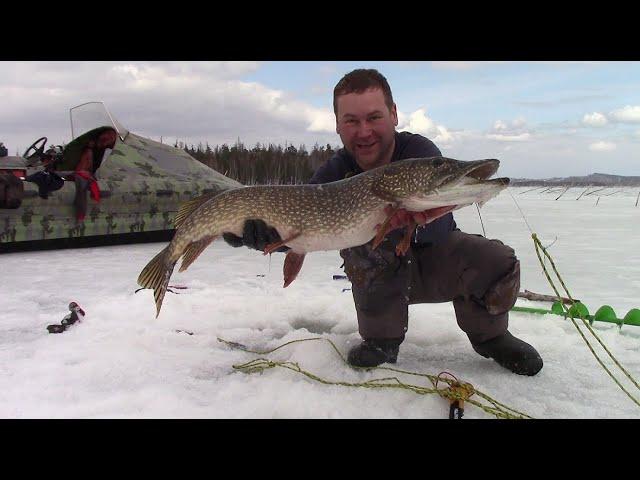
point(404, 217)
point(256, 235)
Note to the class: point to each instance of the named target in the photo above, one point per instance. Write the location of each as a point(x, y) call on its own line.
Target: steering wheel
point(37, 150)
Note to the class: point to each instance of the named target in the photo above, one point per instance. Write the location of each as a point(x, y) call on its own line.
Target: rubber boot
point(511, 353)
point(373, 352)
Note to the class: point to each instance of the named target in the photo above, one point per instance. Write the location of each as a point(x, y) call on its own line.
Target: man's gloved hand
point(256, 235)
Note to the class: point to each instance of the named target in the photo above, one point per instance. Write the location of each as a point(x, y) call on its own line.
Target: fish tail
point(156, 275)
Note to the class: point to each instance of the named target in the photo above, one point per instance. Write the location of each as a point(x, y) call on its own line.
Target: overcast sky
point(541, 119)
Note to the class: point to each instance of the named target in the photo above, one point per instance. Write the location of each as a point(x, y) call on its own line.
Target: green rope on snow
point(497, 409)
point(571, 313)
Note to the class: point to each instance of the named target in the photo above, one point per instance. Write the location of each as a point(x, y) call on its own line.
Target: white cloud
point(549, 155)
point(519, 122)
point(218, 102)
point(509, 138)
point(602, 146)
point(627, 114)
point(499, 125)
point(139, 77)
point(190, 101)
point(402, 120)
point(515, 125)
point(321, 120)
point(443, 136)
point(419, 122)
point(514, 131)
point(595, 119)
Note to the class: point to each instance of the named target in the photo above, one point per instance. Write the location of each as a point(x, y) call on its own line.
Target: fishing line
point(521, 212)
point(586, 324)
point(484, 233)
point(538, 245)
point(529, 226)
point(526, 222)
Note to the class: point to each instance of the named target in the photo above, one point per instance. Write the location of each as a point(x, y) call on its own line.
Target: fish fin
point(384, 229)
point(187, 208)
point(405, 243)
point(193, 250)
point(272, 247)
point(292, 265)
point(156, 275)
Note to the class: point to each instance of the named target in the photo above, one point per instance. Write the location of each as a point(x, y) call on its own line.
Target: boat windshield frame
point(109, 121)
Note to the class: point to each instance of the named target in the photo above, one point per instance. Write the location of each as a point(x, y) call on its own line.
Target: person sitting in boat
point(90, 160)
point(85, 180)
point(106, 139)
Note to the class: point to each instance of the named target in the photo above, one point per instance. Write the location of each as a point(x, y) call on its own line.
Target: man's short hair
point(360, 80)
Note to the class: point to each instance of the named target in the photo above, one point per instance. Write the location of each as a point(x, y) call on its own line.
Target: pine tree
point(263, 164)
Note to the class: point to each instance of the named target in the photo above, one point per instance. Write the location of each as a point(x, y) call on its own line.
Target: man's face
point(107, 139)
point(367, 127)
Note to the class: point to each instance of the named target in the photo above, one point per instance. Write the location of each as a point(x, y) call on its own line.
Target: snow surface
point(122, 362)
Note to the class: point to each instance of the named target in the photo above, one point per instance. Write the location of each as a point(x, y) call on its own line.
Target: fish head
point(423, 183)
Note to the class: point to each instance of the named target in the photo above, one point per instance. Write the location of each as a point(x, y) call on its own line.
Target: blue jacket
point(408, 145)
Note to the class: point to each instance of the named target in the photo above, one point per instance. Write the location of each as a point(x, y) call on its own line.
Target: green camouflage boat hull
point(142, 184)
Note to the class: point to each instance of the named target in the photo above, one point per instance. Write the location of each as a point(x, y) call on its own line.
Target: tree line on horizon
point(263, 164)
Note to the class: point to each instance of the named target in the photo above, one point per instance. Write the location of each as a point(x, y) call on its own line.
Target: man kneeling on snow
point(480, 276)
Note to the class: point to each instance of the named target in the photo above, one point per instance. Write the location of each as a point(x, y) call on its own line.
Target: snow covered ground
point(122, 362)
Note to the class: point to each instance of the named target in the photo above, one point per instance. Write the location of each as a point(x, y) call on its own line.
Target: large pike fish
point(330, 216)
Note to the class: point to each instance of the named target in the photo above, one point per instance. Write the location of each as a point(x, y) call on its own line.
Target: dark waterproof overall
point(480, 276)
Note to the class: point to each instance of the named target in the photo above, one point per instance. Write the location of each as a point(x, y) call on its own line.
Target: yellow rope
point(539, 247)
point(455, 392)
point(462, 390)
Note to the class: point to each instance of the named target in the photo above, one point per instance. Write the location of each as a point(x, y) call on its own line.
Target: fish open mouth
point(457, 184)
point(469, 183)
point(482, 171)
